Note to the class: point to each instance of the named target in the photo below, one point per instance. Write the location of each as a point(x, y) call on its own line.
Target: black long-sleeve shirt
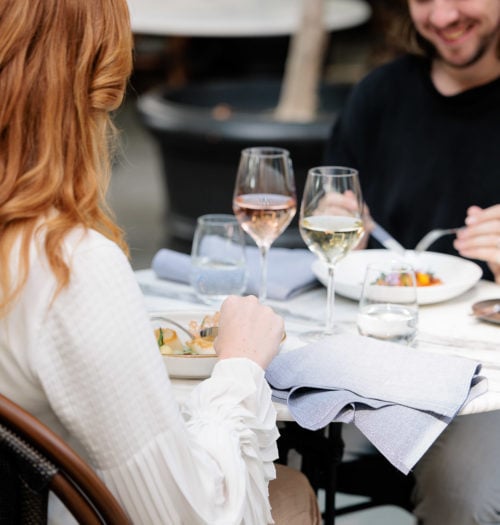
point(423, 158)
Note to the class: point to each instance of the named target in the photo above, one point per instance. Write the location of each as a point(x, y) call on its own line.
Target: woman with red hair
point(76, 345)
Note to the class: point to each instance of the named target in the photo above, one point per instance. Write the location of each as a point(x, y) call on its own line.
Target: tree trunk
point(299, 93)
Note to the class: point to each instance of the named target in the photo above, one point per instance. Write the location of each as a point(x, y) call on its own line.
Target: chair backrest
point(34, 460)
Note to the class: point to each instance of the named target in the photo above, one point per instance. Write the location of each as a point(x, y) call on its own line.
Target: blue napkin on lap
point(289, 271)
point(399, 397)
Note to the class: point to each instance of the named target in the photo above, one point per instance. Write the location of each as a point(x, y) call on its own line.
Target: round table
point(230, 18)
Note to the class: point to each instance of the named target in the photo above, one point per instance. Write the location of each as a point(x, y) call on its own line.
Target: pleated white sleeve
point(99, 366)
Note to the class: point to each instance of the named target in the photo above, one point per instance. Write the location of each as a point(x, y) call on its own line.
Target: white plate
point(457, 274)
point(186, 366)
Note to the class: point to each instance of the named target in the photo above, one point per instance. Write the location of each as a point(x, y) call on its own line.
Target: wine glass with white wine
point(331, 225)
point(264, 200)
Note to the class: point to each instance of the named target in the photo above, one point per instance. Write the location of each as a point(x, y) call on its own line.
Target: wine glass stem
point(330, 300)
point(263, 273)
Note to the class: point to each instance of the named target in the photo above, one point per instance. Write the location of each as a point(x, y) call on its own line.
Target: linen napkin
point(289, 270)
point(400, 398)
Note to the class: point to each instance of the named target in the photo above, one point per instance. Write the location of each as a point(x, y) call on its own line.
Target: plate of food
point(185, 354)
point(440, 277)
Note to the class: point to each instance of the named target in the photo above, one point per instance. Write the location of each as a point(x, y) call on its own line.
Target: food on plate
point(168, 341)
point(427, 279)
point(201, 346)
point(207, 322)
point(404, 279)
point(170, 344)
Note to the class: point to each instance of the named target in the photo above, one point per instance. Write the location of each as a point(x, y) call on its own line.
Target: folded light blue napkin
point(289, 270)
point(400, 398)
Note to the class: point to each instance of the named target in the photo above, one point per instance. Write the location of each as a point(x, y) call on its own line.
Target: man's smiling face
point(461, 31)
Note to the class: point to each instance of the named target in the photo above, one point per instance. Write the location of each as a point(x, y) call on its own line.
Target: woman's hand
point(480, 239)
point(248, 329)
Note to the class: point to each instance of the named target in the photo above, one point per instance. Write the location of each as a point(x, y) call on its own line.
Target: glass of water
point(218, 264)
point(388, 307)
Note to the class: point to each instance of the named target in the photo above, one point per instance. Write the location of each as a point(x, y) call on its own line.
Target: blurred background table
point(237, 18)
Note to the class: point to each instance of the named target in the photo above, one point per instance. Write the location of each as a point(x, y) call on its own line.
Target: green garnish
point(160, 337)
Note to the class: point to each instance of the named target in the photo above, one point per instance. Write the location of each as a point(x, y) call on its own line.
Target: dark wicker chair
point(35, 461)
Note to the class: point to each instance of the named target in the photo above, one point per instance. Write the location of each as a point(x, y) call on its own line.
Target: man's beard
point(483, 47)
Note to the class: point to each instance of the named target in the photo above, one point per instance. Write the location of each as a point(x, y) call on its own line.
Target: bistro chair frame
point(37, 461)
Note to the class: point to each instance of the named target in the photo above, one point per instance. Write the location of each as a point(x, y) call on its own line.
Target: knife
point(387, 240)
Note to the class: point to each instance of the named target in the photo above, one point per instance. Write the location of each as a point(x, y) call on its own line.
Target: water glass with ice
point(218, 264)
point(388, 307)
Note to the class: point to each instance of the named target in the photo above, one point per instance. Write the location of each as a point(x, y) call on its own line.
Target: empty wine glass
point(264, 200)
point(330, 224)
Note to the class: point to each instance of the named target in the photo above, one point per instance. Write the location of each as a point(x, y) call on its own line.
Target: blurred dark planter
point(201, 130)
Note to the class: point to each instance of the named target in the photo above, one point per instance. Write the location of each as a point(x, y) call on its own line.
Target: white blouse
point(88, 365)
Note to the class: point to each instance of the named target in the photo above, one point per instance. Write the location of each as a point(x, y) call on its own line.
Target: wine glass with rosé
point(264, 200)
point(331, 225)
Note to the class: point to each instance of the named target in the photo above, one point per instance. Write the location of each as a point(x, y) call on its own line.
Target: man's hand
point(480, 239)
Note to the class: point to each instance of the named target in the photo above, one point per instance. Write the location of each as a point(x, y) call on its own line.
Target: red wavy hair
point(64, 66)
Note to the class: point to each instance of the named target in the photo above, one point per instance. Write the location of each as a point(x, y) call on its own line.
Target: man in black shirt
point(424, 133)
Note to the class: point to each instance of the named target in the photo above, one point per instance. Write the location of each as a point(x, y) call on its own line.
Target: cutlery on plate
point(205, 333)
point(211, 332)
point(387, 240)
point(156, 317)
point(432, 236)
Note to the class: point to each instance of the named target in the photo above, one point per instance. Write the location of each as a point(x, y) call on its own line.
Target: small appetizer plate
point(185, 366)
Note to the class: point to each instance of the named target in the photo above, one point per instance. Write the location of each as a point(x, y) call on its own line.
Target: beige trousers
point(292, 498)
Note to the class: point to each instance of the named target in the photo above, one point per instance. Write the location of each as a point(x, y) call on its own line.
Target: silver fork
point(432, 236)
point(160, 317)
